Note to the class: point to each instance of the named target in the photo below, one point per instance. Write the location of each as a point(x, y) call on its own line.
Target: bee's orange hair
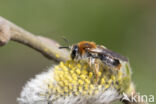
point(85, 44)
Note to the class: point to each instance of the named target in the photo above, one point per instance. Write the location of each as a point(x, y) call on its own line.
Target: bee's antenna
point(66, 40)
point(64, 47)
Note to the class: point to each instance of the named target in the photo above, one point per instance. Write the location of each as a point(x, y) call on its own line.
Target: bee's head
point(74, 52)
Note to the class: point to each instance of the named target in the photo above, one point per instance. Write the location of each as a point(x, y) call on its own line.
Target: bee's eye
point(74, 52)
point(116, 62)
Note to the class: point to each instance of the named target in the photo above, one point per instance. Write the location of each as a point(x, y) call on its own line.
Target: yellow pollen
point(61, 64)
point(113, 77)
point(70, 87)
point(57, 55)
point(78, 71)
point(86, 87)
point(91, 86)
point(102, 81)
point(90, 92)
point(80, 88)
point(82, 77)
point(87, 81)
point(79, 66)
point(76, 93)
point(56, 78)
point(58, 89)
point(61, 83)
point(79, 79)
point(56, 67)
point(100, 86)
point(110, 81)
point(74, 76)
point(50, 86)
point(84, 72)
point(71, 71)
point(80, 82)
point(90, 74)
point(85, 67)
point(99, 74)
point(65, 82)
point(65, 89)
point(65, 68)
point(106, 86)
point(96, 91)
point(84, 92)
point(70, 66)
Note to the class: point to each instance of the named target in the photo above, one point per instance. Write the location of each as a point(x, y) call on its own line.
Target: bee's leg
point(96, 68)
point(90, 62)
point(119, 66)
point(94, 65)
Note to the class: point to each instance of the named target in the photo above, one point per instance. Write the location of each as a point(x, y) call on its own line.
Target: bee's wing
point(95, 50)
point(105, 51)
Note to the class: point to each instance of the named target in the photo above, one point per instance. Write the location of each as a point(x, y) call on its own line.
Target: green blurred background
point(125, 26)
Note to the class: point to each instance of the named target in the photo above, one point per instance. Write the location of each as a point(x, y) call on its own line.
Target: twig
point(49, 48)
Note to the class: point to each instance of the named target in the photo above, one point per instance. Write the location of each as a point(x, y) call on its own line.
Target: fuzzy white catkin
point(75, 83)
point(31, 93)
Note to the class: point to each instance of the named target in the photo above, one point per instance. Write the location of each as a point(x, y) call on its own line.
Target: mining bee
point(95, 55)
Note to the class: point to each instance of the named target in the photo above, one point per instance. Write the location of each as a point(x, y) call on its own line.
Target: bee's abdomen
point(109, 60)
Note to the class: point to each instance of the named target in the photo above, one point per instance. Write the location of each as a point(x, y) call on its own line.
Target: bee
point(95, 55)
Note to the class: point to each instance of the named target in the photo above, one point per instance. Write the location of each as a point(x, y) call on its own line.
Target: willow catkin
point(75, 83)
